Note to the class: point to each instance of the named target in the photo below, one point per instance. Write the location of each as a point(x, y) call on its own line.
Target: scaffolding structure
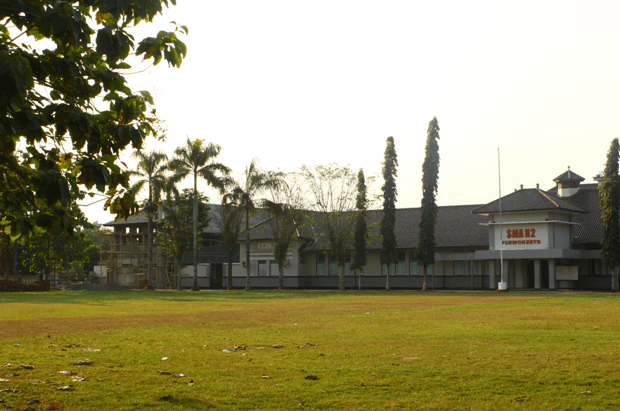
point(125, 259)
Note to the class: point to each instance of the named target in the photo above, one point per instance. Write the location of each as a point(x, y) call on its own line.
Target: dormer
point(568, 183)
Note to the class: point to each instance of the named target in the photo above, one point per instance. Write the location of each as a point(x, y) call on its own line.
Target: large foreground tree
point(57, 140)
point(197, 159)
point(609, 195)
point(388, 221)
point(425, 253)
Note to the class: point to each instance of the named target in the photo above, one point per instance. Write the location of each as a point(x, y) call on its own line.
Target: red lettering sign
point(520, 233)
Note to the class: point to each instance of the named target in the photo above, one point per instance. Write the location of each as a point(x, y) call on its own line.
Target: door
point(529, 269)
point(216, 275)
point(544, 274)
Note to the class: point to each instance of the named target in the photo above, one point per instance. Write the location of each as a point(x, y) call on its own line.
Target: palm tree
point(196, 158)
point(167, 188)
point(230, 220)
point(151, 167)
point(245, 195)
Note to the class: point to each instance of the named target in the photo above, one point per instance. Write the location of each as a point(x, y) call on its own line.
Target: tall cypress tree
point(425, 253)
point(388, 222)
point(361, 229)
point(609, 195)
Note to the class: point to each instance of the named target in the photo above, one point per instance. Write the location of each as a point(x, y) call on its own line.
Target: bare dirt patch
point(261, 311)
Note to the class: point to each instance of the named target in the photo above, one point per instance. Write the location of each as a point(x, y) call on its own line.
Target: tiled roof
point(568, 176)
point(262, 231)
point(456, 226)
point(590, 228)
point(140, 218)
point(529, 199)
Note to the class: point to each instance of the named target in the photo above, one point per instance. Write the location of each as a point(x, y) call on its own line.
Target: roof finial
point(568, 171)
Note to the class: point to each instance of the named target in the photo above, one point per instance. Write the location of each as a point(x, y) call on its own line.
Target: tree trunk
point(149, 269)
point(387, 279)
point(67, 275)
point(341, 277)
point(4, 255)
point(195, 287)
point(423, 268)
point(230, 263)
point(15, 260)
point(178, 268)
point(247, 249)
point(281, 276)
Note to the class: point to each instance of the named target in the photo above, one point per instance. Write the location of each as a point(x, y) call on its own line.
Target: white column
point(537, 274)
point(552, 274)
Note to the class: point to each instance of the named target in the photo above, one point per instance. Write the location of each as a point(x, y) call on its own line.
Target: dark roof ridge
point(529, 199)
point(547, 196)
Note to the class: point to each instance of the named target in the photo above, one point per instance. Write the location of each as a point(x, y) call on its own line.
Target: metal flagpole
point(501, 232)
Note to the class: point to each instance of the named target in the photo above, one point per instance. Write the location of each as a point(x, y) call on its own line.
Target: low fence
point(11, 286)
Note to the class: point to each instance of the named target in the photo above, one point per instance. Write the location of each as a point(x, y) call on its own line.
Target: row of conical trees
point(346, 225)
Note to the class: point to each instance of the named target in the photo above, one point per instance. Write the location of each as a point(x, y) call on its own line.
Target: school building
point(547, 239)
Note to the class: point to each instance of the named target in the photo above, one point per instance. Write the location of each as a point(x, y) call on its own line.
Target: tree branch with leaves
point(49, 103)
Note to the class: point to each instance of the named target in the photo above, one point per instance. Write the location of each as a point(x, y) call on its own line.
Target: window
point(384, 269)
point(459, 268)
point(347, 266)
point(274, 269)
point(320, 264)
point(302, 258)
point(400, 267)
point(476, 267)
point(262, 268)
point(414, 268)
point(487, 268)
point(595, 267)
point(333, 266)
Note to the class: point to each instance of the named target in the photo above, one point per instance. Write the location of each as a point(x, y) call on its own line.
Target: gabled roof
point(568, 176)
point(529, 199)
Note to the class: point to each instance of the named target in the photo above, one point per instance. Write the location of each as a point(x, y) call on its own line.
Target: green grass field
point(372, 350)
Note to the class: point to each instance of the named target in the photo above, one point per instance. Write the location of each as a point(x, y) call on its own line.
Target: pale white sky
point(297, 83)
